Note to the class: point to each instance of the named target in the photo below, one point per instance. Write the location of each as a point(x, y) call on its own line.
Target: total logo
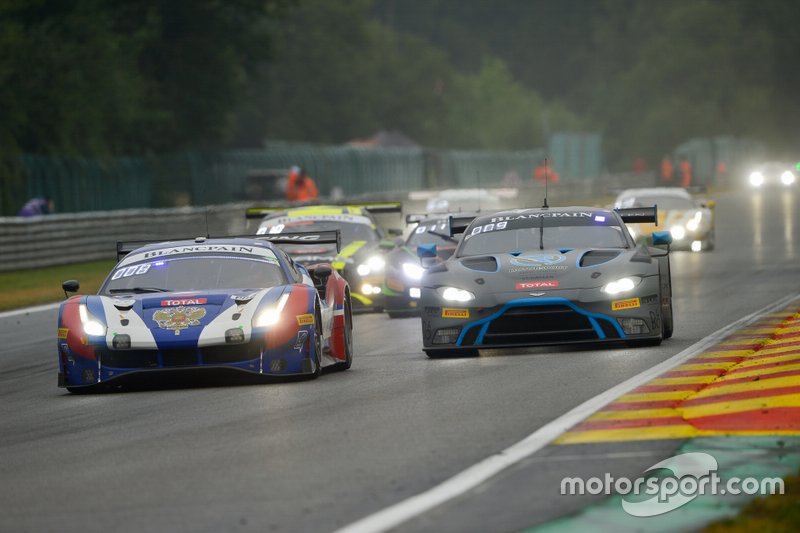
point(534, 260)
point(542, 284)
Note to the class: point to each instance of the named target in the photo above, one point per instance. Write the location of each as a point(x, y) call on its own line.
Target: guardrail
point(60, 239)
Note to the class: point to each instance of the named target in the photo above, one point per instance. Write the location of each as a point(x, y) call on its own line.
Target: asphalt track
point(218, 454)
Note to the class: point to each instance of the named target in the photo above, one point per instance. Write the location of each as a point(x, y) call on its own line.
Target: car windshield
point(433, 232)
point(665, 203)
point(195, 272)
point(530, 232)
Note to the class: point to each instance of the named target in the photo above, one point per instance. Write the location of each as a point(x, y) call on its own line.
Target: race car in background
point(231, 303)
point(772, 174)
point(362, 258)
point(690, 221)
point(528, 277)
point(404, 269)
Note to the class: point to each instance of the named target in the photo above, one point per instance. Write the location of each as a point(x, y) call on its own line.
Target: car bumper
point(541, 321)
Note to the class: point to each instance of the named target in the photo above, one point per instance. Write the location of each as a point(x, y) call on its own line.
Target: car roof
point(202, 244)
point(536, 210)
point(655, 191)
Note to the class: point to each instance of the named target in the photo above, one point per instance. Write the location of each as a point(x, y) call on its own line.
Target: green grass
point(43, 285)
point(779, 513)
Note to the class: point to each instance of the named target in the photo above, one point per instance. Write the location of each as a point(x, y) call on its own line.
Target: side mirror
point(393, 232)
point(386, 244)
point(426, 250)
point(662, 237)
point(70, 286)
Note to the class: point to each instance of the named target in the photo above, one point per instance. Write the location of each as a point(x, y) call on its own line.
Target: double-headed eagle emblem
point(178, 318)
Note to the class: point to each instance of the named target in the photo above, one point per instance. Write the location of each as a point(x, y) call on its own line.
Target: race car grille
point(211, 355)
point(543, 325)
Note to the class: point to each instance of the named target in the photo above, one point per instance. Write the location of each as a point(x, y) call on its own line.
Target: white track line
point(475, 475)
point(28, 310)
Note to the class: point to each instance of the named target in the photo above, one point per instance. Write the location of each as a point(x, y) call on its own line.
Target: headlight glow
point(756, 179)
point(787, 178)
point(678, 232)
point(413, 271)
point(375, 263)
point(271, 315)
point(91, 326)
point(694, 223)
point(622, 285)
point(453, 294)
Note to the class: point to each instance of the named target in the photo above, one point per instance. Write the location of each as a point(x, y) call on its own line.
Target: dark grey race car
point(540, 276)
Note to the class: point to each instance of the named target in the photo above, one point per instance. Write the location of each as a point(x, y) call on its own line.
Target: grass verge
point(779, 513)
point(23, 288)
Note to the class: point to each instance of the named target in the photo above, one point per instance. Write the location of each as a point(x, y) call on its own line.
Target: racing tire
point(445, 354)
point(667, 321)
point(317, 347)
point(402, 314)
point(348, 336)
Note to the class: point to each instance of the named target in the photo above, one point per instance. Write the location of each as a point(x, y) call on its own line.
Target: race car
point(224, 303)
point(362, 259)
point(404, 269)
point(773, 173)
point(690, 221)
point(539, 276)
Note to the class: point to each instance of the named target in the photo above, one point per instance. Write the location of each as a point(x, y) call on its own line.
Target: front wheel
point(317, 356)
point(348, 336)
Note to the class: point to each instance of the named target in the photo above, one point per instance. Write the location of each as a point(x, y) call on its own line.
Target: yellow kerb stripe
point(763, 372)
point(634, 415)
point(738, 406)
point(654, 396)
point(612, 435)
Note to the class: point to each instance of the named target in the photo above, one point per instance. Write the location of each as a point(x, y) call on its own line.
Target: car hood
point(542, 270)
point(171, 319)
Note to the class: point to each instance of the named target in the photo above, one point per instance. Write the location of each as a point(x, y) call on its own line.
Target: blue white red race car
point(232, 303)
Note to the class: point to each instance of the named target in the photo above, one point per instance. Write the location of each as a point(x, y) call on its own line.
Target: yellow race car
point(362, 259)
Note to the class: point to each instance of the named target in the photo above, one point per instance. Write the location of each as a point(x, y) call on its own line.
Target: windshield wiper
point(444, 236)
point(138, 290)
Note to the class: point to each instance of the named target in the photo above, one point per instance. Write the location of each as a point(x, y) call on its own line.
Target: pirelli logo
point(63, 332)
point(455, 313)
point(305, 320)
point(630, 303)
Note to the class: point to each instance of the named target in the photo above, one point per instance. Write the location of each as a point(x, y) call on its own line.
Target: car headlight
point(453, 294)
point(787, 178)
point(271, 315)
point(694, 223)
point(622, 285)
point(412, 271)
point(375, 263)
point(91, 326)
point(678, 232)
point(756, 179)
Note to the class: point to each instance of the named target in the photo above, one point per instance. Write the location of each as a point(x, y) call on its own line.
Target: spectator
point(300, 187)
point(545, 170)
point(37, 206)
point(666, 170)
point(686, 172)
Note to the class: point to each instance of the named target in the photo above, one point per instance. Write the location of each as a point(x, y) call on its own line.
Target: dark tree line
point(94, 77)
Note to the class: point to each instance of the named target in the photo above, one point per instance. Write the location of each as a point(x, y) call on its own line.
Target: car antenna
point(545, 206)
point(208, 233)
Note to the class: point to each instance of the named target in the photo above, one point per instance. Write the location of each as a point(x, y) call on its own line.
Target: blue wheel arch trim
point(540, 302)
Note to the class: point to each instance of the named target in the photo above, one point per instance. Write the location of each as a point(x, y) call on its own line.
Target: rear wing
point(380, 208)
point(639, 214)
point(296, 238)
point(458, 223)
point(261, 212)
point(304, 237)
